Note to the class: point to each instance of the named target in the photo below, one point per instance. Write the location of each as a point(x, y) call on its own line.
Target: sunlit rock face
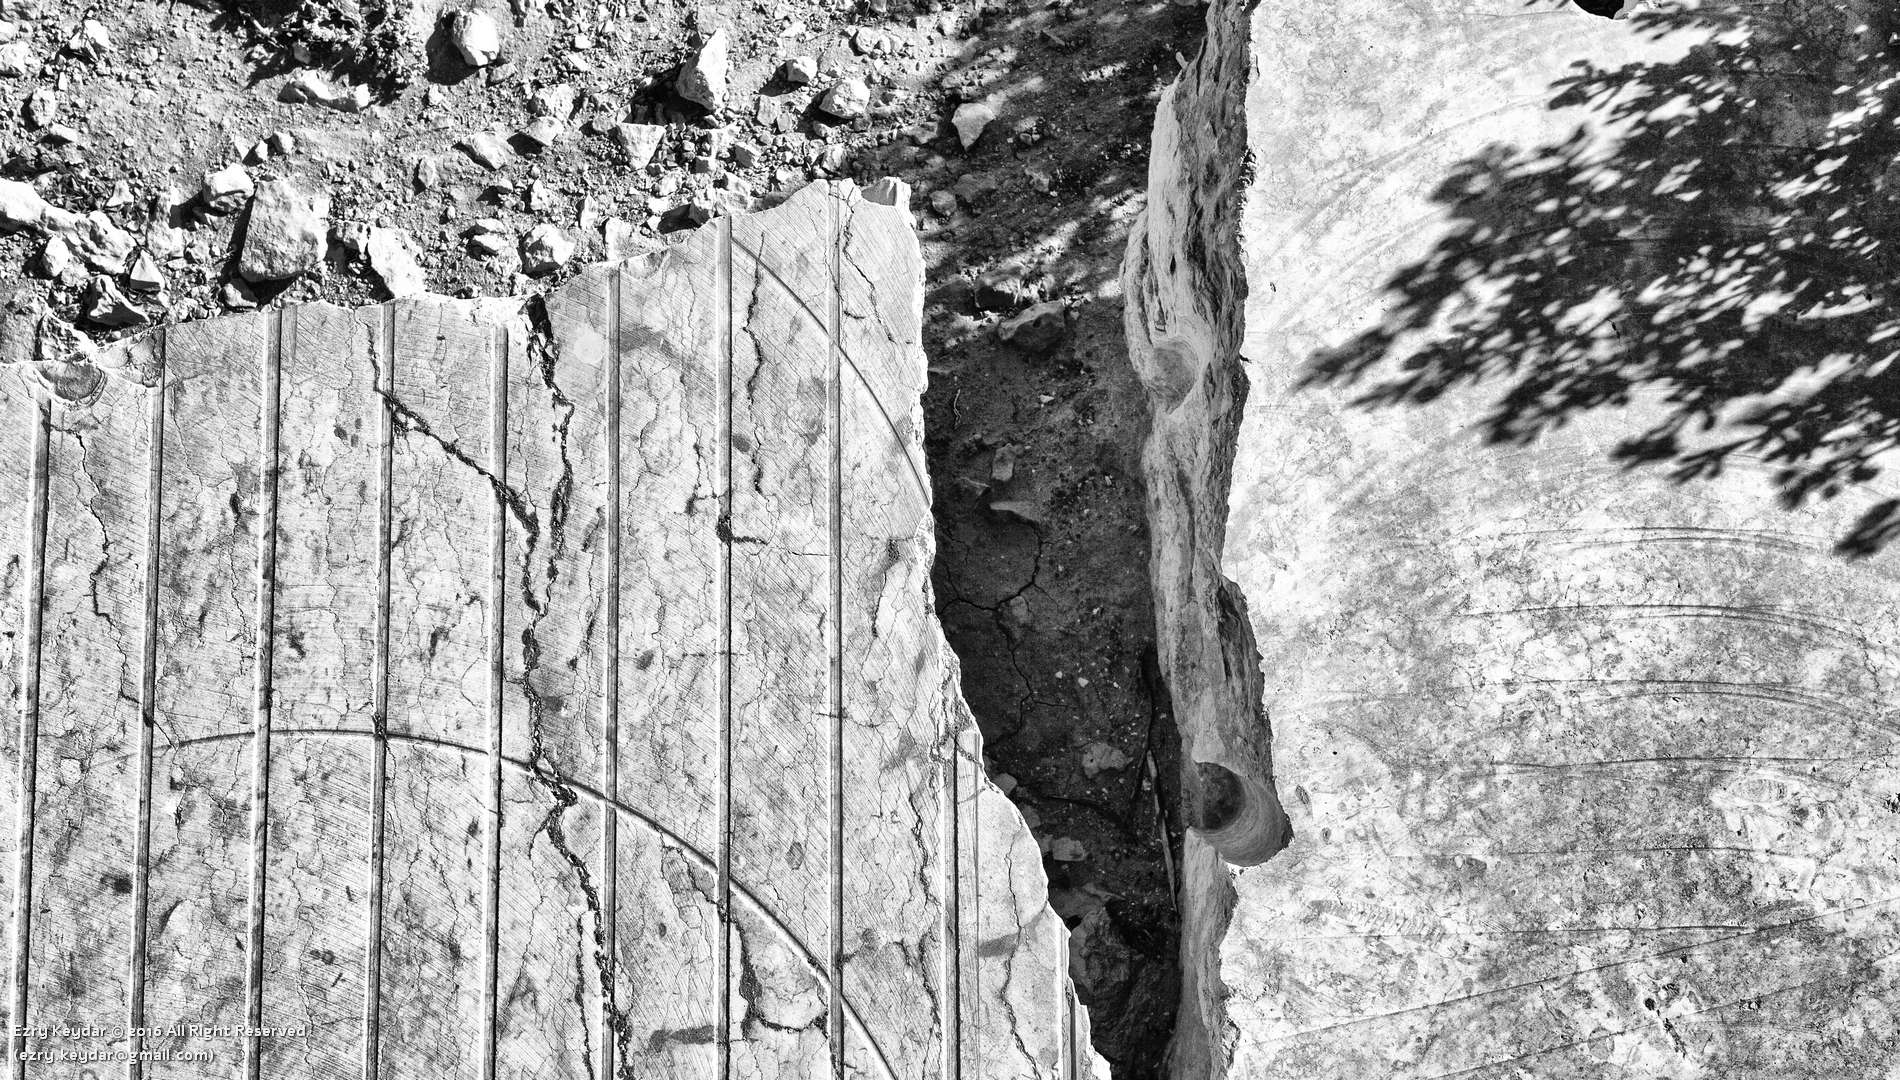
point(1558, 514)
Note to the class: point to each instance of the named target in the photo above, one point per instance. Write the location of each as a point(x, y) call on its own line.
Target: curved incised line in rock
point(583, 788)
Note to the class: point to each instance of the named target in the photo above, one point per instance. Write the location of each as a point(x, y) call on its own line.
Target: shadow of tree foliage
point(1730, 252)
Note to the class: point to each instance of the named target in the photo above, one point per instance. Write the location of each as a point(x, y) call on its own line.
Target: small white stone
point(107, 306)
point(56, 258)
point(543, 131)
point(91, 40)
point(476, 37)
point(799, 70)
point(848, 100)
point(970, 119)
point(890, 191)
point(487, 149)
point(639, 141)
point(312, 88)
point(393, 255)
point(16, 59)
point(145, 276)
point(42, 107)
point(545, 249)
point(226, 189)
point(286, 233)
point(57, 135)
point(557, 101)
point(20, 206)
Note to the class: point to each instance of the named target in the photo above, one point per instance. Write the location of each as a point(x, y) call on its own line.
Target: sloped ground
point(116, 114)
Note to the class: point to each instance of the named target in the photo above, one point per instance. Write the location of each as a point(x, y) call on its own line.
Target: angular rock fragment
point(489, 237)
point(799, 70)
point(90, 41)
point(21, 206)
point(1100, 757)
point(56, 259)
point(394, 257)
point(313, 88)
point(237, 295)
point(557, 101)
point(1037, 329)
point(889, 191)
point(475, 37)
point(56, 136)
point(145, 276)
point(848, 100)
point(486, 149)
point(639, 141)
point(543, 132)
point(702, 80)
point(970, 120)
point(226, 190)
point(98, 242)
point(17, 59)
point(545, 249)
point(1067, 849)
point(42, 107)
point(106, 305)
point(622, 241)
point(286, 232)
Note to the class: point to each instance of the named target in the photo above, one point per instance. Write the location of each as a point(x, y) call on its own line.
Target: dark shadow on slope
point(1733, 251)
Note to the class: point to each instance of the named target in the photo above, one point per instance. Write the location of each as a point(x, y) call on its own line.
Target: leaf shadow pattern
point(1729, 254)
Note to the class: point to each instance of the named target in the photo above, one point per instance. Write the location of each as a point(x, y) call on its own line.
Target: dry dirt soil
point(1042, 576)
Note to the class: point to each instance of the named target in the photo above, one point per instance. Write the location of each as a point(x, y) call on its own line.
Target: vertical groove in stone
point(497, 583)
point(266, 648)
point(950, 856)
point(972, 932)
point(834, 647)
point(148, 712)
point(379, 709)
point(722, 977)
point(29, 737)
point(610, 766)
point(1066, 994)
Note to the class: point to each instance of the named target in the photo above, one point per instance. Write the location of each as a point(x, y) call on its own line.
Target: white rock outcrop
point(1586, 752)
point(568, 697)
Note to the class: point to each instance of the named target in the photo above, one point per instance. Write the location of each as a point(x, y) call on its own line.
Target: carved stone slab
point(474, 689)
point(1590, 772)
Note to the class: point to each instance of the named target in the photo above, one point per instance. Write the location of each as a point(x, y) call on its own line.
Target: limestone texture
point(1519, 520)
point(540, 687)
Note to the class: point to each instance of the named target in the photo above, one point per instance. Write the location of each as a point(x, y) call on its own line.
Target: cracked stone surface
point(1589, 769)
point(520, 688)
